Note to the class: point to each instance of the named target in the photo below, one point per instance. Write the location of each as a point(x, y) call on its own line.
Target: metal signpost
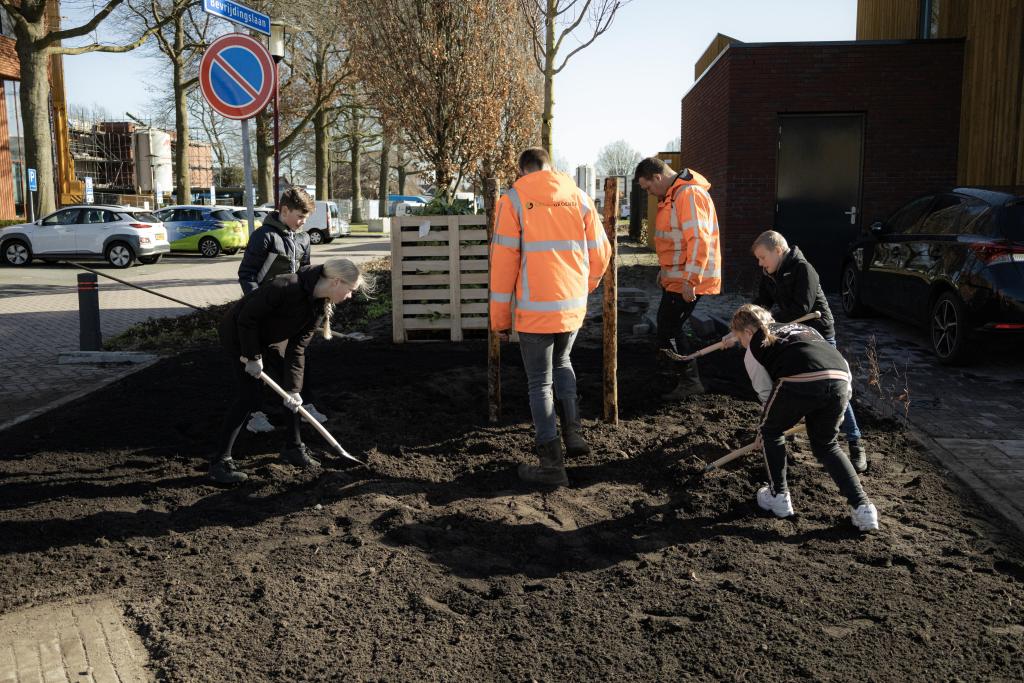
point(33, 187)
point(89, 196)
point(236, 76)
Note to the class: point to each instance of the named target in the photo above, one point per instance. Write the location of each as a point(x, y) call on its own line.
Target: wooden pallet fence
point(439, 279)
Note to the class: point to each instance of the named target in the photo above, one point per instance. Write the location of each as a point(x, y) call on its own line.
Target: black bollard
point(89, 337)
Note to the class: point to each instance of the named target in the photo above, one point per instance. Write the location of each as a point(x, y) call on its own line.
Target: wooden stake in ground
point(611, 295)
point(493, 343)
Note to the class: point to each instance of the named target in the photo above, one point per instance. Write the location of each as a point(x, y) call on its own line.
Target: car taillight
point(140, 226)
point(994, 253)
point(1009, 326)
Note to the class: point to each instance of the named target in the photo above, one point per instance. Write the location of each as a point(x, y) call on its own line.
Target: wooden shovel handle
point(740, 452)
point(717, 346)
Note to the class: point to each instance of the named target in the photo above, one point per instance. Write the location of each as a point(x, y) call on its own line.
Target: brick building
point(12, 183)
point(818, 139)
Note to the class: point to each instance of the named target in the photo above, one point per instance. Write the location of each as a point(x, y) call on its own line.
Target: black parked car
point(953, 262)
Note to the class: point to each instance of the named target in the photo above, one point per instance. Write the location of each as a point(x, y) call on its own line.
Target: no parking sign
point(236, 76)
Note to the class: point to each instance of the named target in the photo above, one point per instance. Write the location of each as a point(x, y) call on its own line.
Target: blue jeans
point(546, 359)
point(849, 426)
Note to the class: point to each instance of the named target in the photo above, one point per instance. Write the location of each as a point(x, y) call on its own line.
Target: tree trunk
point(182, 172)
point(35, 112)
point(549, 78)
point(357, 192)
point(264, 158)
point(385, 174)
point(402, 175)
point(320, 154)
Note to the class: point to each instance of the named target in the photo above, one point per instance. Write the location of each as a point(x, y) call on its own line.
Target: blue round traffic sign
point(236, 76)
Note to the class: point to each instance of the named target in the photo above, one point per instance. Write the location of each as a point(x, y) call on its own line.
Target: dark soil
point(438, 565)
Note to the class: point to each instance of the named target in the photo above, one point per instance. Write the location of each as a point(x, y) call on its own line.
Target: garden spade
point(311, 420)
point(717, 346)
point(738, 453)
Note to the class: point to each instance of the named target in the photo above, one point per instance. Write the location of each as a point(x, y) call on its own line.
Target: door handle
point(852, 213)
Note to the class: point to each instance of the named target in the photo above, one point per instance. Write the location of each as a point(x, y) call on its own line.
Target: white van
point(325, 223)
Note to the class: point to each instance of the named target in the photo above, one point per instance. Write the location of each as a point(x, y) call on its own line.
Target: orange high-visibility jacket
point(686, 237)
point(549, 250)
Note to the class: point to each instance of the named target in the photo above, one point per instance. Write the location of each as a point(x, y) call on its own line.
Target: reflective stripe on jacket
point(548, 251)
point(686, 237)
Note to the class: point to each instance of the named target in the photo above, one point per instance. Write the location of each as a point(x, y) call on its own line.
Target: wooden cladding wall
point(717, 47)
point(992, 121)
point(438, 279)
point(888, 19)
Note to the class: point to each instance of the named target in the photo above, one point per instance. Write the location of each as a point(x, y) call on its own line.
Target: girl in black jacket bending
point(279, 318)
point(797, 374)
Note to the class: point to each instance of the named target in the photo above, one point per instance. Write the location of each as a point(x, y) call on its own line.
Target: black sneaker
point(858, 457)
point(223, 472)
point(299, 456)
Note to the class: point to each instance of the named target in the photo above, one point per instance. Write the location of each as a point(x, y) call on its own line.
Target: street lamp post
point(277, 34)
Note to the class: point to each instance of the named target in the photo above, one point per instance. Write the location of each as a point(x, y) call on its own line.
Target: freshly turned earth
point(436, 564)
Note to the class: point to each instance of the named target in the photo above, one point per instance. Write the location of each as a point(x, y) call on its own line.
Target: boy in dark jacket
point(278, 247)
point(790, 285)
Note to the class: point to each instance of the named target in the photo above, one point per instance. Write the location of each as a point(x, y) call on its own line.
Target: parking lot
point(39, 314)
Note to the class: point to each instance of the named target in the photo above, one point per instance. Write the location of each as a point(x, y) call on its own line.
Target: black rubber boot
point(551, 470)
point(858, 457)
point(299, 456)
point(689, 383)
point(571, 427)
point(223, 471)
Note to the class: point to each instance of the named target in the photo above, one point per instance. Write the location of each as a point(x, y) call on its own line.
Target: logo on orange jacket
point(529, 205)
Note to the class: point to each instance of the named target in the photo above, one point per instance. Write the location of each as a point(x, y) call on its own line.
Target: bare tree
point(550, 23)
point(617, 158)
point(446, 85)
point(181, 42)
point(673, 145)
point(38, 37)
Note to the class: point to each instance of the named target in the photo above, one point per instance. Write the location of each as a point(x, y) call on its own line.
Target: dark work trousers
point(821, 404)
point(247, 401)
point(672, 314)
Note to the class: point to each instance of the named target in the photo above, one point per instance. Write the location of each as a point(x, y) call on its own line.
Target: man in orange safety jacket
point(548, 252)
point(689, 253)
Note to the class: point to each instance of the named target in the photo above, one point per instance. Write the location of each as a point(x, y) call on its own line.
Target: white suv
point(116, 234)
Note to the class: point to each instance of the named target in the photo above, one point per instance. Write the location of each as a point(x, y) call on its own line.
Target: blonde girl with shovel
point(281, 318)
point(798, 375)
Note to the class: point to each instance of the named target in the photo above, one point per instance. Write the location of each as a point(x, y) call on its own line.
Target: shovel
point(311, 420)
point(738, 453)
point(717, 346)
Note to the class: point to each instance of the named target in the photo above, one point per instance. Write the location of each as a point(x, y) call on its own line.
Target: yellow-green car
point(208, 230)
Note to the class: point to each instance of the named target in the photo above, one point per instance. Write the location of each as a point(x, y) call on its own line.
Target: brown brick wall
point(909, 94)
point(10, 67)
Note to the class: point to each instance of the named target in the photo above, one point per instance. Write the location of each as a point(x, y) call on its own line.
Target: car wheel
point(230, 252)
point(948, 327)
point(150, 260)
point(849, 289)
point(17, 253)
point(209, 247)
point(316, 237)
point(120, 255)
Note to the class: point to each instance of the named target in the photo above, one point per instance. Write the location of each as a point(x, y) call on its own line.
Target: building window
point(16, 143)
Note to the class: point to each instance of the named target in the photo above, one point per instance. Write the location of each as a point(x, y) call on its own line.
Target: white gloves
point(293, 402)
point(253, 367)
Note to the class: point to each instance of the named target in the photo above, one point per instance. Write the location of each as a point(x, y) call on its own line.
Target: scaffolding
point(103, 151)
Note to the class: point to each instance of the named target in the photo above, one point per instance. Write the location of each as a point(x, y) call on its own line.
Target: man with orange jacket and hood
point(548, 252)
point(689, 253)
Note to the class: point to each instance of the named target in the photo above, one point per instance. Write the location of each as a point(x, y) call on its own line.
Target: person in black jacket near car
point(278, 319)
point(790, 286)
point(798, 375)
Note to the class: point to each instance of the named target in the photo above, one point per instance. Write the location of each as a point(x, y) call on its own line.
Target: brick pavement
point(80, 643)
point(39, 317)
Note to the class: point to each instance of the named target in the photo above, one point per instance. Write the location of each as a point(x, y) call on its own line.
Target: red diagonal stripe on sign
point(235, 76)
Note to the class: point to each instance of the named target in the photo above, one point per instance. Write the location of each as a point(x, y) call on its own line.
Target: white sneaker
point(314, 413)
point(258, 422)
point(865, 517)
point(779, 505)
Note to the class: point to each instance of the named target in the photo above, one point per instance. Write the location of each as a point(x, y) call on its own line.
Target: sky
point(627, 85)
